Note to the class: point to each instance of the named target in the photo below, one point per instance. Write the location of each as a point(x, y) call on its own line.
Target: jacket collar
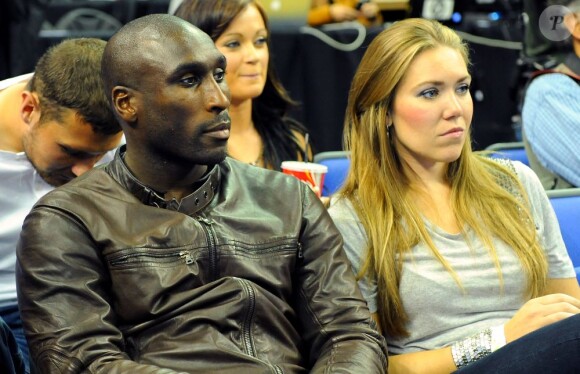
point(190, 204)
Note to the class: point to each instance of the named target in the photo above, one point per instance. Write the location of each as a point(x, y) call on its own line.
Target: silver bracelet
point(471, 349)
point(497, 337)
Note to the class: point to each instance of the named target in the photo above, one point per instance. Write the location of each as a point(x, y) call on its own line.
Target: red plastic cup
point(308, 172)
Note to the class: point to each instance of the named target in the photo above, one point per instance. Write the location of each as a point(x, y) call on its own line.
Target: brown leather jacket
point(246, 275)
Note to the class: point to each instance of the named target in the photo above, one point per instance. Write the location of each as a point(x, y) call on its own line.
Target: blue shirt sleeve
point(551, 120)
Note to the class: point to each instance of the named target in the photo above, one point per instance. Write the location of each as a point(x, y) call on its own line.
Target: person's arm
point(438, 361)
point(66, 309)
point(561, 274)
point(534, 314)
point(370, 10)
point(551, 124)
point(334, 316)
point(559, 301)
point(319, 15)
point(435, 361)
point(568, 286)
point(322, 12)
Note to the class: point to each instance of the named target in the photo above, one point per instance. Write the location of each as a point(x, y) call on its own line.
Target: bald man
point(174, 258)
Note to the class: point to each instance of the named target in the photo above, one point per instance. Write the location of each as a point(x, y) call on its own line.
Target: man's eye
point(79, 155)
point(219, 75)
point(190, 80)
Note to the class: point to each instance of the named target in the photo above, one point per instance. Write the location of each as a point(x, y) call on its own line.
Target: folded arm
point(533, 315)
point(66, 310)
point(334, 316)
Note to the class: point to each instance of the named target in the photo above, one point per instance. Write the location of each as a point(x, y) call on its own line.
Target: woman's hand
point(539, 312)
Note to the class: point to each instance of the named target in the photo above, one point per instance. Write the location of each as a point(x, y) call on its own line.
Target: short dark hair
point(68, 76)
point(120, 62)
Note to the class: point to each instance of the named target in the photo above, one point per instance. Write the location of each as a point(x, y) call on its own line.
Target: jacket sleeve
point(62, 287)
point(336, 320)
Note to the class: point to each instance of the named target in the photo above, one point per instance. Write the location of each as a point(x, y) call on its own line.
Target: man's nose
point(82, 166)
point(216, 98)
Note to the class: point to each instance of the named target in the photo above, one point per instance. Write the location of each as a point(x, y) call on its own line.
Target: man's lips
point(220, 131)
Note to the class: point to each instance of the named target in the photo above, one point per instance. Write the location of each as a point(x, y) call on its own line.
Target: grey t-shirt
point(439, 312)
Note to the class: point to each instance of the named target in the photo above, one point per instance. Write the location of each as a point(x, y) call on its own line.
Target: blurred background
point(317, 64)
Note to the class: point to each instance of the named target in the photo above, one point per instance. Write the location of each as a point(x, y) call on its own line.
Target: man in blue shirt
point(551, 115)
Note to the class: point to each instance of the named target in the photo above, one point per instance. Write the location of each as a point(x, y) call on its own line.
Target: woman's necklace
point(258, 160)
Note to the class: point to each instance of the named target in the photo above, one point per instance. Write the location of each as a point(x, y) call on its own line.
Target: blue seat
point(338, 163)
point(510, 150)
point(566, 204)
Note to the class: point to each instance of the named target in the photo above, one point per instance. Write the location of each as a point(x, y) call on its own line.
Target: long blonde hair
point(378, 188)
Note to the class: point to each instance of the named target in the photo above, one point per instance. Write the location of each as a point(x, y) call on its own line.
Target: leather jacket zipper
point(186, 255)
point(212, 250)
point(133, 257)
point(247, 326)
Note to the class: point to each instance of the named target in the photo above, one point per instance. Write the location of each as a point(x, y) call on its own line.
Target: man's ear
point(124, 104)
point(30, 108)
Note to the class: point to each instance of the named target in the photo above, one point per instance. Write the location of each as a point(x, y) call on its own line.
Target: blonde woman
point(459, 256)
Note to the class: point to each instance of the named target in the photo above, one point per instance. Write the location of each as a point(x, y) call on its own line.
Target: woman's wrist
point(477, 346)
point(472, 348)
point(498, 339)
